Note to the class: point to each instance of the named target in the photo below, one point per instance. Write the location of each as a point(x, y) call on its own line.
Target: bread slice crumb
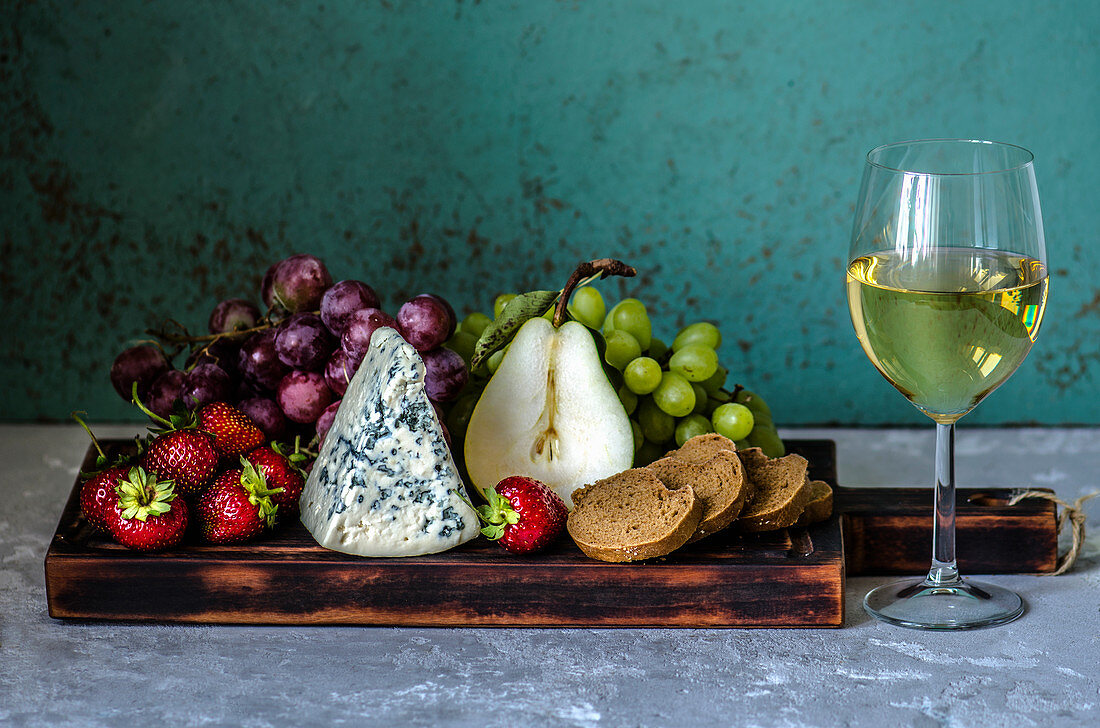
point(632, 516)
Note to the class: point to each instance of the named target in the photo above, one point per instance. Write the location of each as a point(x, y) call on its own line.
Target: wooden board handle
point(889, 531)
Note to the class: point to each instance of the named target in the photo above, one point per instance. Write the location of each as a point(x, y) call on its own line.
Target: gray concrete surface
point(1043, 670)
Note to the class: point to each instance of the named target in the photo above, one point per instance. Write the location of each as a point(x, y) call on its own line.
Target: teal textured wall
point(156, 157)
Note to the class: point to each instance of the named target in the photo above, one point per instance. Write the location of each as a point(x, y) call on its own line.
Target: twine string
point(1070, 512)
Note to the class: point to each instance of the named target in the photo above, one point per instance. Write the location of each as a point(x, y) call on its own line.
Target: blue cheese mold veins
point(384, 483)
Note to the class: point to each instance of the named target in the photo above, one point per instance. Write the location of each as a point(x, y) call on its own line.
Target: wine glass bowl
point(947, 286)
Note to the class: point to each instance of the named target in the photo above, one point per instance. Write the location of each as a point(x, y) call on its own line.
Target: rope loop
point(1070, 512)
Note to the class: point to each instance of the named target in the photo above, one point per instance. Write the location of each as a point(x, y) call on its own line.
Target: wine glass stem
point(944, 571)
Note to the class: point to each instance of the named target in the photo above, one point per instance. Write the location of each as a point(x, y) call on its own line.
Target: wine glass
point(947, 285)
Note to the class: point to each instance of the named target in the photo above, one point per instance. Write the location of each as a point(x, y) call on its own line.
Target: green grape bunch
point(670, 392)
point(673, 393)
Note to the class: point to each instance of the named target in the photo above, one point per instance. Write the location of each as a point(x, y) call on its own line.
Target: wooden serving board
point(789, 578)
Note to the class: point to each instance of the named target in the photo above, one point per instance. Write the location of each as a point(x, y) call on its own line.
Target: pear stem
point(601, 267)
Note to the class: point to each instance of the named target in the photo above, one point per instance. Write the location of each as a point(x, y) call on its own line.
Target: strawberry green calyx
point(297, 457)
point(141, 495)
point(259, 495)
point(497, 515)
point(183, 420)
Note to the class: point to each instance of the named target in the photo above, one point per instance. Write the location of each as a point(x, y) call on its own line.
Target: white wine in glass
point(947, 286)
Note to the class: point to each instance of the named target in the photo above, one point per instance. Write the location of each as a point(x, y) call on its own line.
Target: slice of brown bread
point(753, 458)
point(782, 490)
point(719, 482)
point(704, 447)
point(819, 505)
point(632, 516)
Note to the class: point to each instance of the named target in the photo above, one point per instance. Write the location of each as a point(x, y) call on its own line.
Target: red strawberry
point(237, 507)
point(523, 515)
point(179, 452)
point(146, 515)
point(186, 457)
point(280, 471)
point(234, 432)
point(97, 493)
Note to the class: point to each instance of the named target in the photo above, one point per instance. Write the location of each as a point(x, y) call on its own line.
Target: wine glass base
point(918, 604)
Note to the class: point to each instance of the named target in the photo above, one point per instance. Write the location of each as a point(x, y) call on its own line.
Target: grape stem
point(163, 334)
point(586, 273)
point(187, 338)
point(157, 343)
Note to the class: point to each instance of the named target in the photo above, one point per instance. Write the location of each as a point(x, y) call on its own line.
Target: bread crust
point(704, 447)
point(786, 475)
point(585, 507)
point(752, 458)
point(718, 479)
point(819, 506)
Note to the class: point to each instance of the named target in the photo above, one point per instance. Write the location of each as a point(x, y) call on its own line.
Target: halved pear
point(549, 413)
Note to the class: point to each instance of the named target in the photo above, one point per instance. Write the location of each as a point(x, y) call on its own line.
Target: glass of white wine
point(947, 285)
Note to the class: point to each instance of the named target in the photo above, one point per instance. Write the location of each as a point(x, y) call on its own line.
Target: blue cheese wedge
point(384, 483)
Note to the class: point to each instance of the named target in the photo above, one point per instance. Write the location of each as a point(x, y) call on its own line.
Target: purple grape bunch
point(234, 314)
point(324, 422)
point(426, 321)
point(360, 328)
point(142, 364)
point(259, 361)
point(444, 374)
point(304, 342)
point(344, 299)
point(298, 283)
point(206, 383)
point(339, 370)
point(288, 362)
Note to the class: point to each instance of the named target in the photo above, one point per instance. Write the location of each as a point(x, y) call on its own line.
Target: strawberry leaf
point(295, 457)
point(259, 495)
point(141, 495)
point(497, 514)
point(269, 512)
point(464, 499)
